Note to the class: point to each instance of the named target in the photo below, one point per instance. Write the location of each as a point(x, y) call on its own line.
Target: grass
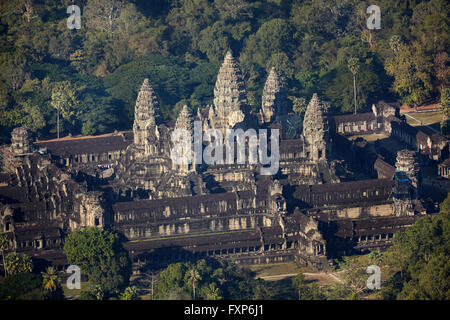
point(425, 117)
point(274, 269)
point(74, 292)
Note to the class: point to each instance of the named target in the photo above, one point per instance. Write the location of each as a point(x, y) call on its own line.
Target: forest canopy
point(179, 45)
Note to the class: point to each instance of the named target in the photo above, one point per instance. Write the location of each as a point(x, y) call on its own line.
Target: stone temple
point(331, 195)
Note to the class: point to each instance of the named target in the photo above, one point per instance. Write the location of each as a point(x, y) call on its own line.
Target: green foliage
point(212, 280)
point(17, 263)
point(87, 295)
point(411, 68)
point(101, 257)
point(445, 126)
point(425, 257)
point(416, 266)
point(22, 286)
point(299, 105)
point(445, 101)
point(179, 45)
point(130, 293)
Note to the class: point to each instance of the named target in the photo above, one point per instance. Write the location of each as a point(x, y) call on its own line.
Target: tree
point(194, 276)
point(51, 285)
point(130, 293)
point(281, 62)
point(97, 291)
point(410, 66)
point(16, 263)
point(445, 102)
point(64, 100)
point(21, 286)
point(422, 253)
point(441, 69)
point(103, 15)
point(4, 244)
point(353, 66)
point(395, 42)
point(299, 282)
point(50, 279)
point(234, 9)
point(212, 292)
point(445, 205)
point(101, 257)
point(299, 105)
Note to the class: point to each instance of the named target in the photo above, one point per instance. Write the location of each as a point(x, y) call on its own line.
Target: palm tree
point(213, 292)
point(4, 243)
point(193, 277)
point(353, 65)
point(50, 279)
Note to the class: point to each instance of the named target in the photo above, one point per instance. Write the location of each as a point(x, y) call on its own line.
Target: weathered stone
point(221, 210)
point(146, 115)
point(316, 130)
point(183, 152)
point(273, 98)
point(407, 161)
point(230, 98)
point(21, 140)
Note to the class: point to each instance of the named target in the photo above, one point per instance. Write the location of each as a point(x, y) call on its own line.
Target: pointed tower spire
point(146, 113)
point(315, 130)
point(185, 120)
point(230, 97)
point(273, 98)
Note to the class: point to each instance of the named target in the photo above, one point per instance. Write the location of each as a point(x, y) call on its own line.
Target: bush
point(22, 286)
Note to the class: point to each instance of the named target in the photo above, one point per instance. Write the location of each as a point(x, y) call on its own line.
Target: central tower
point(146, 116)
point(230, 97)
point(316, 130)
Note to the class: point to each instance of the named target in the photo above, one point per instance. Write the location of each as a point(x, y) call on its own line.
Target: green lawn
point(74, 292)
point(425, 117)
point(274, 269)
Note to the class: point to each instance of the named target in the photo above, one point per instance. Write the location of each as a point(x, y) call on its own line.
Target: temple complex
point(331, 196)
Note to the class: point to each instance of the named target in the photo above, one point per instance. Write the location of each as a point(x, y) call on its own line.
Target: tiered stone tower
point(21, 141)
point(230, 97)
point(316, 130)
point(146, 116)
point(273, 98)
point(407, 161)
point(184, 121)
